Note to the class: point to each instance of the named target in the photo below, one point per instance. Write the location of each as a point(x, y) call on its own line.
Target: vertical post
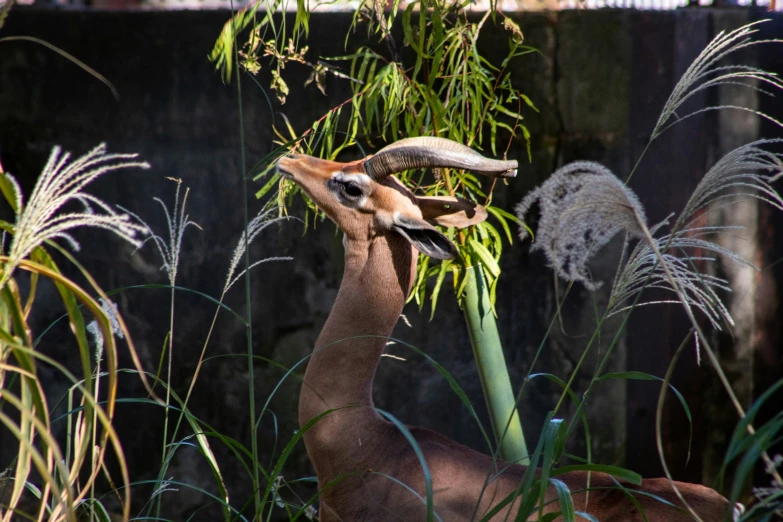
point(492, 369)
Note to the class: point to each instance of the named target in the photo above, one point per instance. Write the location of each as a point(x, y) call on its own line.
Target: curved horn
point(414, 153)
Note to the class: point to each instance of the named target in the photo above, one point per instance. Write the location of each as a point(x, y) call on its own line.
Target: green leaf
point(422, 461)
point(553, 439)
point(186, 486)
point(616, 471)
point(508, 112)
point(444, 267)
point(437, 35)
point(89, 70)
point(410, 490)
point(565, 500)
point(329, 485)
point(740, 432)
point(96, 508)
point(528, 101)
point(420, 54)
point(206, 450)
point(10, 189)
point(455, 387)
point(486, 258)
point(289, 447)
point(302, 18)
point(498, 214)
point(4, 12)
point(641, 376)
point(526, 135)
point(273, 181)
point(496, 240)
point(406, 27)
point(507, 215)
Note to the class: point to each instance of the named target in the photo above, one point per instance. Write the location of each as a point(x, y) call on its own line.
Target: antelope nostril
point(292, 155)
point(281, 168)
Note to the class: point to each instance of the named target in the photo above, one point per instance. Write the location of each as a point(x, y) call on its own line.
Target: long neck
point(377, 279)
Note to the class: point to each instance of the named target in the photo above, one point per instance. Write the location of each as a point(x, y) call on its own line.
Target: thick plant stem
point(492, 369)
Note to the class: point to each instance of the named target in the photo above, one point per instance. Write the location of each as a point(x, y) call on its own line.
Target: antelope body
point(360, 458)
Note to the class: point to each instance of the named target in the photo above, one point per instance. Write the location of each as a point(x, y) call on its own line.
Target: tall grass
point(578, 199)
point(583, 205)
point(68, 477)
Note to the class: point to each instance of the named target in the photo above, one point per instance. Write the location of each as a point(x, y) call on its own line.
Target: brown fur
point(354, 446)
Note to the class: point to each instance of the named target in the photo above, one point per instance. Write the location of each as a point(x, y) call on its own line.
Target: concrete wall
point(599, 81)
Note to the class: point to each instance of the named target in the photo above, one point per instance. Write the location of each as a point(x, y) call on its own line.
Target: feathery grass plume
point(643, 270)
point(772, 495)
point(59, 184)
point(111, 313)
point(254, 227)
point(745, 172)
point(275, 491)
point(666, 262)
point(177, 222)
point(736, 176)
point(583, 205)
point(164, 486)
point(705, 73)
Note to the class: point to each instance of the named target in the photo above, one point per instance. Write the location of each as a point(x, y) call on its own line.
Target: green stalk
point(492, 369)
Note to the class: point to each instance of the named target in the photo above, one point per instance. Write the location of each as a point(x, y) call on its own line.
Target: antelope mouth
point(285, 164)
point(285, 173)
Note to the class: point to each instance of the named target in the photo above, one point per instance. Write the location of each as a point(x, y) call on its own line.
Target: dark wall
point(599, 81)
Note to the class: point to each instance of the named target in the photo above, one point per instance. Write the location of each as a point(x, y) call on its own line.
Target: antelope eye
point(352, 189)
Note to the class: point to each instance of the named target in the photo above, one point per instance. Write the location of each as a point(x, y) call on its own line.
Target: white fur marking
point(361, 179)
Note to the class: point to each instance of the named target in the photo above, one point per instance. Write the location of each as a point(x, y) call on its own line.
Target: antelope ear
point(448, 211)
point(426, 238)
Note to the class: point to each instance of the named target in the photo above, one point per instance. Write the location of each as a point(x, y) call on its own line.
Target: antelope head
point(365, 200)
